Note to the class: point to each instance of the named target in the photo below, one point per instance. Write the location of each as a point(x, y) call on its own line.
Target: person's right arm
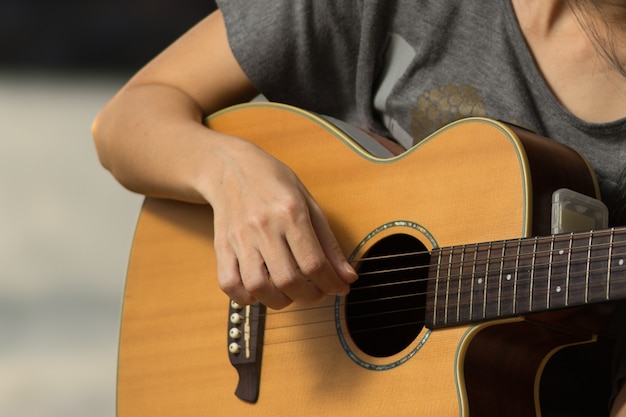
point(151, 137)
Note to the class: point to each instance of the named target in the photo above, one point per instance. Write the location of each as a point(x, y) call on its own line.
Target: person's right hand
point(272, 241)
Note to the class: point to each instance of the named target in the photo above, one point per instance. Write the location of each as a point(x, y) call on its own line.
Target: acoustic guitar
point(463, 303)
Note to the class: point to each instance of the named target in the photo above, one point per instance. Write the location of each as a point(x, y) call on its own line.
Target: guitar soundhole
point(386, 305)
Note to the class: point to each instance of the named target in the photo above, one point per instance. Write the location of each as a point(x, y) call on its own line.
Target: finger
point(256, 280)
point(287, 277)
point(331, 247)
point(229, 277)
point(312, 260)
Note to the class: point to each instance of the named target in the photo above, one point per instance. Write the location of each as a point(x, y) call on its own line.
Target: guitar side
point(472, 182)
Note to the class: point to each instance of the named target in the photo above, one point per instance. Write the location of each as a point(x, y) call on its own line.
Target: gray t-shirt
point(404, 68)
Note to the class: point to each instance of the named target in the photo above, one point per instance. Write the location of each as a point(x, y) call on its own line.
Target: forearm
point(152, 140)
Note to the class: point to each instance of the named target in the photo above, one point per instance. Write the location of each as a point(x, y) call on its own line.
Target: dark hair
point(600, 20)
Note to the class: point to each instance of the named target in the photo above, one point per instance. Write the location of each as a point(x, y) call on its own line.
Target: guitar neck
point(486, 281)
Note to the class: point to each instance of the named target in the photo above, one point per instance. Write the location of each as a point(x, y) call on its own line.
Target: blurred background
point(65, 225)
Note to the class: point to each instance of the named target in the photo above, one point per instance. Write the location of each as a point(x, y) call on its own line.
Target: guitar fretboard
point(485, 281)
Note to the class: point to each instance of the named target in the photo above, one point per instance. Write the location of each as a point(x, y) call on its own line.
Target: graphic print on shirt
point(443, 105)
point(433, 109)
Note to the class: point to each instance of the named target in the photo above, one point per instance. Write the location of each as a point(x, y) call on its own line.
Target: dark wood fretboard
point(486, 281)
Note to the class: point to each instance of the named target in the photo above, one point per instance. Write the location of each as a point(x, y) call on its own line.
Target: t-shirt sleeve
point(300, 52)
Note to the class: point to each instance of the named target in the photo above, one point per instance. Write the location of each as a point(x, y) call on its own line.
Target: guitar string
point(346, 332)
point(520, 241)
point(332, 308)
point(500, 259)
point(333, 333)
point(322, 309)
point(572, 287)
point(520, 282)
point(330, 324)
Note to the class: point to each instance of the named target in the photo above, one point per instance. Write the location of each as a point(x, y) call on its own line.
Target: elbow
point(103, 140)
point(99, 137)
point(111, 148)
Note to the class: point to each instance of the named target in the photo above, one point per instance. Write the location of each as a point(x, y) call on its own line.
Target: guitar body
point(474, 181)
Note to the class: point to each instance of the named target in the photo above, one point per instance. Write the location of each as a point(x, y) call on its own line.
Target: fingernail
point(349, 269)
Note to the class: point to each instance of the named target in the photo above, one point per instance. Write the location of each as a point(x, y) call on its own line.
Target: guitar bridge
point(246, 327)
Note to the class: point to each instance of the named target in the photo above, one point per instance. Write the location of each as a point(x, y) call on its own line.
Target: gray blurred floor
point(65, 232)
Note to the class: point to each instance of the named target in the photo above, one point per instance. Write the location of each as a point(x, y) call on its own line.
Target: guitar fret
point(502, 257)
point(588, 267)
point(493, 280)
point(486, 281)
point(569, 268)
point(523, 276)
point(541, 273)
point(472, 281)
point(608, 264)
point(517, 264)
point(459, 300)
point(600, 258)
point(532, 275)
point(482, 266)
point(466, 280)
point(558, 270)
point(550, 266)
point(436, 291)
point(578, 269)
point(506, 282)
point(445, 313)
